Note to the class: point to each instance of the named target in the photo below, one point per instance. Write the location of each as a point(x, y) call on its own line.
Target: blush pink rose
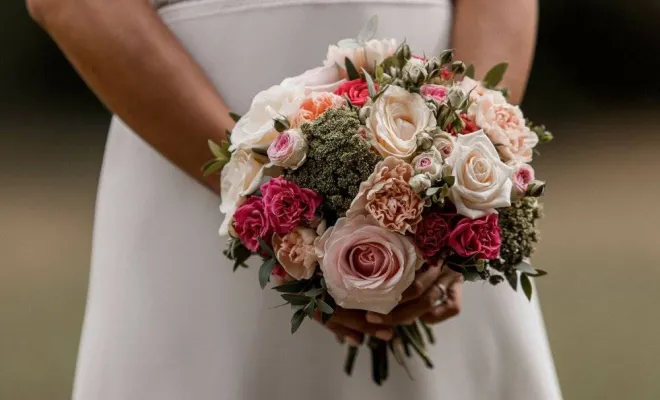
point(523, 175)
point(287, 204)
point(388, 198)
point(295, 252)
point(251, 223)
point(365, 266)
point(432, 234)
point(289, 150)
point(480, 238)
point(434, 92)
point(356, 90)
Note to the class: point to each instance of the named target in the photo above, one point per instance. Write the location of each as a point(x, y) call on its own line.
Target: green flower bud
point(446, 57)
point(535, 189)
point(281, 123)
point(424, 141)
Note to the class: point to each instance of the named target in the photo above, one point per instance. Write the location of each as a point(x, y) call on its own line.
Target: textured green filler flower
point(338, 159)
point(519, 232)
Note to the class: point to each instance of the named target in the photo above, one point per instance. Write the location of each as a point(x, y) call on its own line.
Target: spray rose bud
point(403, 52)
point(446, 57)
point(415, 73)
point(419, 183)
point(433, 66)
point(535, 189)
point(424, 141)
point(289, 150)
point(429, 163)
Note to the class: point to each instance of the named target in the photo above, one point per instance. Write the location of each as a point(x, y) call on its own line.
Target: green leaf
point(523, 266)
point(235, 116)
point(379, 74)
point(513, 280)
point(446, 57)
point(265, 247)
point(314, 292)
point(324, 307)
point(449, 180)
point(297, 320)
point(495, 75)
point(432, 191)
point(215, 149)
point(526, 285)
point(539, 273)
point(309, 309)
point(370, 84)
point(213, 166)
point(351, 70)
point(296, 299)
point(265, 271)
point(469, 72)
point(369, 31)
point(291, 287)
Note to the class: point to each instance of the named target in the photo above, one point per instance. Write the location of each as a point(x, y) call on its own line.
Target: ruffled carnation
point(287, 204)
point(388, 197)
point(295, 252)
point(251, 223)
point(480, 238)
point(432, 234)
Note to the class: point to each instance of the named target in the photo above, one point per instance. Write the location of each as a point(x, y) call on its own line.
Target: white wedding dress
point(167, 319)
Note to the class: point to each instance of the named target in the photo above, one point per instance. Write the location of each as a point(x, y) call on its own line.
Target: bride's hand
point(351, 326)
point(434, 296)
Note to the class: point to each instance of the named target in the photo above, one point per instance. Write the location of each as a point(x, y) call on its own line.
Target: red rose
point(477, 237)
point(432, 234)
point(287, 204)
point(446, 74)
point(470, 126)
point(251, 223)
point(356, 90)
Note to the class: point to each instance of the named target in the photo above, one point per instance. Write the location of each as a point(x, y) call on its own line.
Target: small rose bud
point(281, 123)
point(415, 74)
point(364, 114)
point(403, 52)
point(446, 57)
point(535, 189)
point(433, 66)
point(419, 183)
point(424, 141)
point(458, 67)
point(428, 163)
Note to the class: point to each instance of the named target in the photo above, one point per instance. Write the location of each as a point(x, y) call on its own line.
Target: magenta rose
point(251, 223)
point(356, 90)
point(432, 234)
point(434, 92)
point(287, 204)
point(477, 237)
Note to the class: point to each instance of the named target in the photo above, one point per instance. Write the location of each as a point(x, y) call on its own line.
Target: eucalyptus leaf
point(265, 247)
point(349, 44)
point(351, 71)
point(369, 31)
point(495, 75)
point(296, 299)
point(213, 166)
point(265, 271)
point(469, 71)
point(370, 84)
point(291, 287)
point(235, 116)
point(324, 307)
point(314, 292)
point(309, 309)
point(539, 273)
point(512, 278)
point(523, 266)
point(297, 320)
point(526, 285)
point(450, 180)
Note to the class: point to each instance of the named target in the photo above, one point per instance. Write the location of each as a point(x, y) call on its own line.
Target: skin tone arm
point(141, 72)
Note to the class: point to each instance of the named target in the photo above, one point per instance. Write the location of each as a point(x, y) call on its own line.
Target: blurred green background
point(595, 84)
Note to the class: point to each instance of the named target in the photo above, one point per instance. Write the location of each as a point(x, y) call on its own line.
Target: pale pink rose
point(505, 126)
point(289, 150)
point(434, 92)
point(429, 163)
point(444, 143)
point(371, 54)
point(316, 104)
point(522, 176)
point(388, 198)
point(365, 266)
point(296, 253)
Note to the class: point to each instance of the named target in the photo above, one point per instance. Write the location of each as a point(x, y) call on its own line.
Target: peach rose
point(505, 126)
point(388, 198)
point(365, 266)
point(314, 105)
point(295, 252)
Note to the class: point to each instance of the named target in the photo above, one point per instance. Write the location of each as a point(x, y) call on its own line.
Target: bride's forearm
point(487, 32)
point(140, 71)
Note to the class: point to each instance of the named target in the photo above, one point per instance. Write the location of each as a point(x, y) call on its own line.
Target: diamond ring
point(443, 294)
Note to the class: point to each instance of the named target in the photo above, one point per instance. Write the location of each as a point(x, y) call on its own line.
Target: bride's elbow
point(40, 9)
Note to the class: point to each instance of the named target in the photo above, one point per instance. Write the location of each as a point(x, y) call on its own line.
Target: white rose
point(505, 126)
point(483, 181)
point(256, 130)
point(289, 150)
point(320, 79)
point(240, 177)
point(373, 53)
point(397, 117)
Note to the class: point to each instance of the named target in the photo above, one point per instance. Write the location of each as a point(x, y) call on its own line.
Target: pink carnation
point(251, 223)
point(287, 204)
point(434, 92)
point(477, 237)
point(356, 90)
point(432, 234)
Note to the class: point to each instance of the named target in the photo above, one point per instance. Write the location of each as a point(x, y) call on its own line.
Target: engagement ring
point(443, 294)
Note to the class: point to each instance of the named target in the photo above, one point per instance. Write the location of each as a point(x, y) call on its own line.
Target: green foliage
point(469, 71)
point(495, 75)
point(338, 159)
point(221, 157)
point(235, 116)
point(351, 70)
point(237, 253)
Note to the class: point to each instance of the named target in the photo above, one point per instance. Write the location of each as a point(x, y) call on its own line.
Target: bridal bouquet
point(349, 178)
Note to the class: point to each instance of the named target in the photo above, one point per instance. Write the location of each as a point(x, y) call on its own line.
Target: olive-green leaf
point(523, 266)
point(469, 72)
point(495, 75)
point(213, 166)
point(370, 84)
point(309, 309)
point(297, 320)
point(324, 307)
point(351, 71)
point(215, 149)
point(539, 273)
point(235, 116)
point(314, 292)
point(296, 299)
point(265, 247)
point(526, 285)
point(449, 180)
point(265, 271)
point(513, 280)
point(291, 287)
